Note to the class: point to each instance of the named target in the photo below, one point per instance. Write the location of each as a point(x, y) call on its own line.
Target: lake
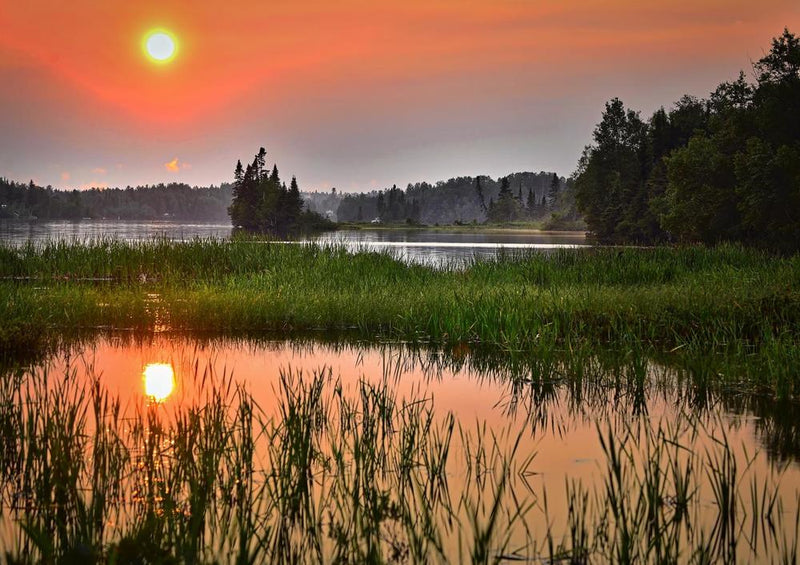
point(312, 446)
point(427, 246)
point(539, 436)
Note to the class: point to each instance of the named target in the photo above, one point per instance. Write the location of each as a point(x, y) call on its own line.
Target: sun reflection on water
point(159, 381)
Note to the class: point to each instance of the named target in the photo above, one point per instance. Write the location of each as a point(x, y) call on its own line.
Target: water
point(439, 247)
point(18, 232)
point(427, 246)
point(558, 412)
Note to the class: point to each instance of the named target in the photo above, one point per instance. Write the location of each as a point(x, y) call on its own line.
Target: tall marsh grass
point(345, 474)
point(730, 312)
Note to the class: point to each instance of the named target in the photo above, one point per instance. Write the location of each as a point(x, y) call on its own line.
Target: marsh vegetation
point(660, 364)
point(381, 464)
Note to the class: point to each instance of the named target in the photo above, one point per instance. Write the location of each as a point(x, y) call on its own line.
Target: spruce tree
point(531, 202)
point(555, 186)
point(479, 190)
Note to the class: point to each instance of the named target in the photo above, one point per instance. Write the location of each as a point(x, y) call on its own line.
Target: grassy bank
point(727, 303)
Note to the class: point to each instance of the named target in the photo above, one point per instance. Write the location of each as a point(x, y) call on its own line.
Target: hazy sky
point(351, 94)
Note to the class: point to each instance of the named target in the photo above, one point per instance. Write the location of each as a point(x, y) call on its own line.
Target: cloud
point(65, 176)
point(175, 165)
point(99, 171)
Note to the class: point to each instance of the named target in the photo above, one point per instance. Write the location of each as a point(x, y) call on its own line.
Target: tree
point(479, 191)
point(259, 164)
point(507, 208)
point(700, 195)
point(262, 203)
point(555, 186)
point(610, 185)
point(782, 63)
point(531, 203)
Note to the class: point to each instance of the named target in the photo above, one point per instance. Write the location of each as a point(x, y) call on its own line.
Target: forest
point(173, 201)
point(518, 197)
point(528, 197)
point(722, 169)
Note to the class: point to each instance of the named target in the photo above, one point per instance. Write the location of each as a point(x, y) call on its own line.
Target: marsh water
point(429, 246)
point(550, 420)
point(406, 450)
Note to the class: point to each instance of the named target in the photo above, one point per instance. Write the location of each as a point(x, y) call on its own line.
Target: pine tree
point(555, 186)
point(505, 188)
point(262, 203)
point(294, 201)
point(479, 190)
point(260, 163)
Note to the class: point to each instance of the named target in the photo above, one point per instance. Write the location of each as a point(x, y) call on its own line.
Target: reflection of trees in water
point(776, 423)
point(554, 390)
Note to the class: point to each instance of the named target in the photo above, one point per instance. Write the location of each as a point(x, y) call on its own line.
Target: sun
point(159, 381)
point(160, 46)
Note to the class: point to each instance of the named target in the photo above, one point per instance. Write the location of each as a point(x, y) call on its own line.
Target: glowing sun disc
point(159, 381)
point(160, 46)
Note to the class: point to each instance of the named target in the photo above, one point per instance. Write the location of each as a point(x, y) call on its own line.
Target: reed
point(730, 305)
point(356, 474)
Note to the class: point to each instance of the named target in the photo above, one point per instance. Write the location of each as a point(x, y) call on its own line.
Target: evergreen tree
point(259, 164)
point(479, 191)
point(531, 203)
point(505, 188)
point(507, 208)
point(262, 203)
point(555, 186)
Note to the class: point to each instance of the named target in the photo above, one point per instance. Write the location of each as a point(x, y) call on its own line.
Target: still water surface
point(558, 414)
point(413, 245)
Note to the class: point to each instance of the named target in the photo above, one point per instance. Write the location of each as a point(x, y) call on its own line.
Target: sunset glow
point(353, 95)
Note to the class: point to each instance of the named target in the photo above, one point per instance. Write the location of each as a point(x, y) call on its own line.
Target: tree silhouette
point(261, 203)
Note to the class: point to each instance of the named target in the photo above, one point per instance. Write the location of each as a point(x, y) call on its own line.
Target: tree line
point(726, 168)
point(524, 196)
point(174, 201)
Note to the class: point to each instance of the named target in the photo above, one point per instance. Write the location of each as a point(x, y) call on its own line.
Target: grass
point(731, 306)
point(352, 474)
point(727, 302)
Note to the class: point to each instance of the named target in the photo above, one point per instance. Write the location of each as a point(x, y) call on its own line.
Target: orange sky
point(350, 94)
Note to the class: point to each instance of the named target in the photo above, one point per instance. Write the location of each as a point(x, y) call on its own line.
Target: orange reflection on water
point(159, 381)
